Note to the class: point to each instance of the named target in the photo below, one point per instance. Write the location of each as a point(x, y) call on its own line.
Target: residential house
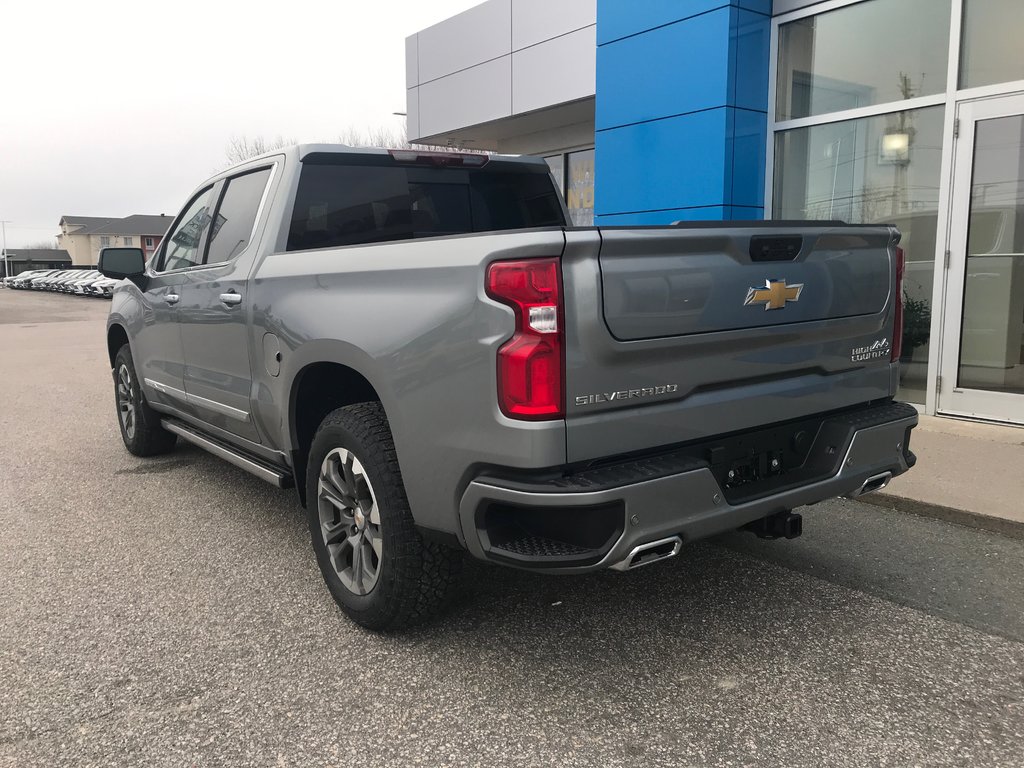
point(83, 236)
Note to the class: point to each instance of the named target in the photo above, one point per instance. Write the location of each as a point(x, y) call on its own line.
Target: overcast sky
point(113, 108)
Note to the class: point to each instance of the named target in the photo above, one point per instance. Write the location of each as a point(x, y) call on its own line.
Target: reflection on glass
point(183, 242)
point(236, 215)
point(580, 195)
point(992, 330)
point(557, 165)
point(881, 169)
point(991, 42)
point(863, 54)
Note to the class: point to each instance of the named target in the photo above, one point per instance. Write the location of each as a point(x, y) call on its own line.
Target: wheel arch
point(117, 337)
point(317, 389)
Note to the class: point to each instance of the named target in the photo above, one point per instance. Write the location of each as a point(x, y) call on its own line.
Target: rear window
point(347, 200)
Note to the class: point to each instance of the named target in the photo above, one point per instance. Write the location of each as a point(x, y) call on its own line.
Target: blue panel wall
point(682, 100)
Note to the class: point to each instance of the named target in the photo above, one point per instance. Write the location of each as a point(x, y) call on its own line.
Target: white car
point(24, 279)
point(12, 280)
point(103, 287)
point(80, 284)
point(46, 282)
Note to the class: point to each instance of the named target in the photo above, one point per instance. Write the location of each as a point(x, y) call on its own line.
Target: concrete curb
point(1012, 528)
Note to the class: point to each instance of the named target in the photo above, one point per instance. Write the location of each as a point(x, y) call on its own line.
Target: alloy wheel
point(126, 400)
point(349, 521)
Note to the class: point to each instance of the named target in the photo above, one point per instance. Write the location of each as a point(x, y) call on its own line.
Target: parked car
point(20, 280)
point(44, 281)
point(28, 280)
point(440, 363)
point(54, 283)
point(103, 288)
point(58, 280)
point(67, 284)
point(80, 285)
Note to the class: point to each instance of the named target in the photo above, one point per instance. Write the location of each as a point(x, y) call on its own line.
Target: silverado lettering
point(626, 394)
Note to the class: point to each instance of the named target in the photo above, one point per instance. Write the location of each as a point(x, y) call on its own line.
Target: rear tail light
point(531, 364)
point(897, 330)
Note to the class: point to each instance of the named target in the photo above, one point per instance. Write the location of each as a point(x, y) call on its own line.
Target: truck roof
point(299, 151)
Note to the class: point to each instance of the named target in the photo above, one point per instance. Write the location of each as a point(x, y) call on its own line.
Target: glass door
point(982, 365)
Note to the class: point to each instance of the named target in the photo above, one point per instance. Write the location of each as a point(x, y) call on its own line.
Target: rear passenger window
point(346, 200)
point(236, 215)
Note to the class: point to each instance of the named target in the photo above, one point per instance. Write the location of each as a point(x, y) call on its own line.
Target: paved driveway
point(169, 612)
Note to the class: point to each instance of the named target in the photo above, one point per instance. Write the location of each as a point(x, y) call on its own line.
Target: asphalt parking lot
point(169, 612)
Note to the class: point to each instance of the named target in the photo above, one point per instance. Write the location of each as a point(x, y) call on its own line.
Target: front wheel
point(378, 568)
point(140, 425)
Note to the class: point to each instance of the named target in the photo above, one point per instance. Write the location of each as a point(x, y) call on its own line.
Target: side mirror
point(119, 263)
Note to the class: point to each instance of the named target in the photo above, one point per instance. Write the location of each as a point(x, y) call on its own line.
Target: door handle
point(172, 298)
point(231, 299)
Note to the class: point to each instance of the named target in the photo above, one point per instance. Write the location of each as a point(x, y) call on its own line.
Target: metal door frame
point(954, 400)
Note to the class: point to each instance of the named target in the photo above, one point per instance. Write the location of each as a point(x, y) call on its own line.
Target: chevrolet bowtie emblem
point(774, 294)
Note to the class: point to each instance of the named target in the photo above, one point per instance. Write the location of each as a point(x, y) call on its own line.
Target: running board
point(262, 470)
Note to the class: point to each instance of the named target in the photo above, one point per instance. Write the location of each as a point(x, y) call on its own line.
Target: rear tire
point(377, 566)
point(140, 425)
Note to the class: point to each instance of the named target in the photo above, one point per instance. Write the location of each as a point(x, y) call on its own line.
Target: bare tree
point(41, 245)
point(378, 136)
point(242, 147)
point(392, 138)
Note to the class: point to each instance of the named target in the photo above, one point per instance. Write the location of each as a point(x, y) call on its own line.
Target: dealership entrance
point(911, 113)
point(982, 358)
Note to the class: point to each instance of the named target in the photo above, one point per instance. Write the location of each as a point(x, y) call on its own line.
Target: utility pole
point(7, 259)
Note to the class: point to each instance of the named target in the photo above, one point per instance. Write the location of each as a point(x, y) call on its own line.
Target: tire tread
point(424, 575)
point(150, 439)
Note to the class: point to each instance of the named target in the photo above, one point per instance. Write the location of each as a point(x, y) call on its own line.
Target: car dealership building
point(908, 112)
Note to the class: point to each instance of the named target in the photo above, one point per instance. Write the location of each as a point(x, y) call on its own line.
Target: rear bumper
point(596, 518)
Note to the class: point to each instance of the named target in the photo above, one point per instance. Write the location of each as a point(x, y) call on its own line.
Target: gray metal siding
point(497, 60)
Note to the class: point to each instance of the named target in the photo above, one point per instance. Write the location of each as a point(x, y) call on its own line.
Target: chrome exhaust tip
point(872, 484)
point(653, 552)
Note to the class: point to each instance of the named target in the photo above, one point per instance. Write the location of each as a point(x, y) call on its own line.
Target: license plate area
point(757, 466)
point(754, 463)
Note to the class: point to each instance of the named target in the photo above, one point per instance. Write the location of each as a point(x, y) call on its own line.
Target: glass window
point(992, 31)
point(236, 215)
point(881, 169)
point(104, 241)
point(580, 195)
point(346, 200)
point(557, 165)
point(183, 241)
point(129, 241)
point(149, 242)
point(992, 332)
point(863, 54)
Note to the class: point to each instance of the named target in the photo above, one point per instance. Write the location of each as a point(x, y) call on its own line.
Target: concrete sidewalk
point(967, 473)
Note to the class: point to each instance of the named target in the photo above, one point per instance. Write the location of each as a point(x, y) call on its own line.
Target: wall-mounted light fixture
point(894, 149)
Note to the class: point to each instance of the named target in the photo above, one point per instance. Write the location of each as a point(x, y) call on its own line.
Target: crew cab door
point(214, 309)
point(156, 346)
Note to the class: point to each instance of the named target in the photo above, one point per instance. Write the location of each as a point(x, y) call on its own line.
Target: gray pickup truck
point(423, 346)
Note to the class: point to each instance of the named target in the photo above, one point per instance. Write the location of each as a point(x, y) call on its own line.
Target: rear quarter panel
point(412, 318)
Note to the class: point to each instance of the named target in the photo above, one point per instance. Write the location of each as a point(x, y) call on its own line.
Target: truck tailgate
point(676, 334)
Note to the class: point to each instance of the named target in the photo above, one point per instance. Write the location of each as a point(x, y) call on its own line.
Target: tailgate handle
point(775, 247)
